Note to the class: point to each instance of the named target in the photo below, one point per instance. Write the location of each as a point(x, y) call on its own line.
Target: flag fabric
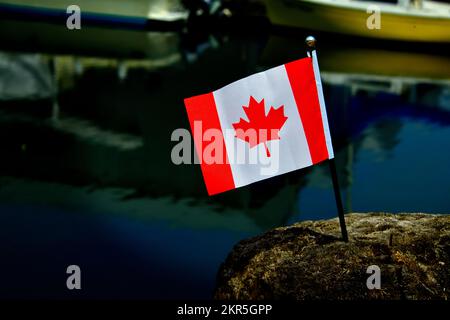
point(283, 105)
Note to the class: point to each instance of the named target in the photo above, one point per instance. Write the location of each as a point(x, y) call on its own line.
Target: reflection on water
point(86, 176)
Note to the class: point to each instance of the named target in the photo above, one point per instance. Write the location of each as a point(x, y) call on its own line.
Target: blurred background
point(86, 118)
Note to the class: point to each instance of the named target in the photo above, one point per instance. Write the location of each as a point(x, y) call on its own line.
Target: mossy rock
point(308, 260)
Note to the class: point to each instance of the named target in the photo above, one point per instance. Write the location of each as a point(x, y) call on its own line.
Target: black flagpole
point(311, 44)
point(337, 195)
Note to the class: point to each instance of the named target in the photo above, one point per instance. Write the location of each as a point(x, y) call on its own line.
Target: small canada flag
point(281, 109)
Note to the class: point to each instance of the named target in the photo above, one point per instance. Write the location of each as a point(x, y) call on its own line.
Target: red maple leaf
point(266, 127)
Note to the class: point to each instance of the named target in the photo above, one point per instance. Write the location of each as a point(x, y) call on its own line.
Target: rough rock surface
point(308, 261)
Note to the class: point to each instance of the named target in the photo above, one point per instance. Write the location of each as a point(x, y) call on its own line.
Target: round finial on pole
point(310, 42)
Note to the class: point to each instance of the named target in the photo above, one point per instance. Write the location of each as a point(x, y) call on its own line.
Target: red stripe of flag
point(218, 177)
point(303, 84)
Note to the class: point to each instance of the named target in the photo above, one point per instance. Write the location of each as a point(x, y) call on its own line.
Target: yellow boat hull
point(344, 20)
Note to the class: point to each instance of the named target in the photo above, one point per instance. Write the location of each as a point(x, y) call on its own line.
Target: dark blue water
point(87, 180)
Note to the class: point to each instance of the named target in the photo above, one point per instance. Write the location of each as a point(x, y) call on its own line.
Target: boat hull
point(345, 20)
point(122, 14)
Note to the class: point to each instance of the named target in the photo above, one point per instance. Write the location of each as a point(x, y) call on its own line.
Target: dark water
point(86, 176)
